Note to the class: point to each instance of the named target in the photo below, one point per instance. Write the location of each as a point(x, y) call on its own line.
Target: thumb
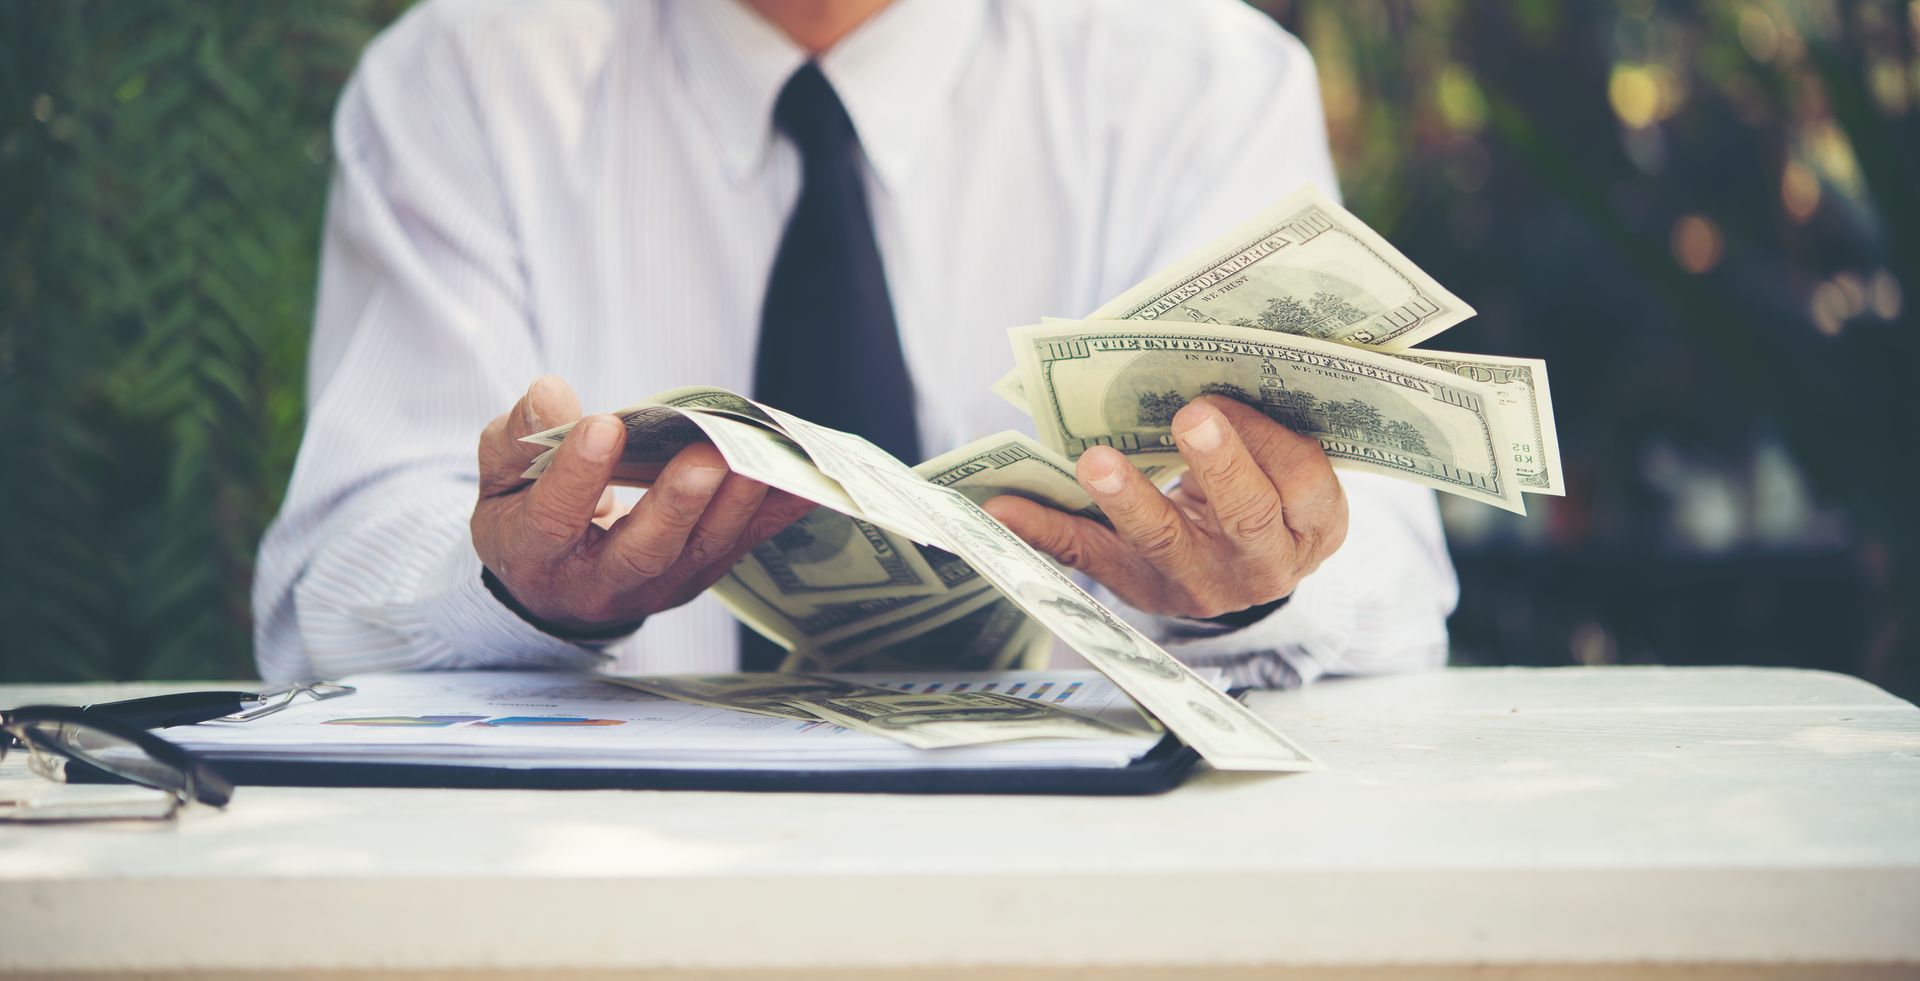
point(549, 402)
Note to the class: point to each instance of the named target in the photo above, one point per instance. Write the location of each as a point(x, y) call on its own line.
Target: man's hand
point(1257, 511)
point(572, 563)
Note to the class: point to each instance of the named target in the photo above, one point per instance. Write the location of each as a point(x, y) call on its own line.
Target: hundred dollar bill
point(964, 624)
point(1523, 400)
point(1010, 390)
point(805, 627)
point(657, 428)
point(1016, 464)
point(707, 398)
point(828, 557)
point(1305, 266)
point(970, 626)
point(974, 628)
point(1011, 463)
point(1222, 730)
point(760, 693)
point(1119, 385)
point(774, 460)
point(945, 719)
point(704, 397)
point(655, 433)
point(964, 630)
point(993, 635)
point(837, 453)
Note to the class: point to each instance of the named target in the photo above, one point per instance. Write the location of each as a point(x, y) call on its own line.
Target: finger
point(1191, 501)
point(1245, 504)
point(559, 507)
point(734, 504)
point(1189, 488)
point(610, 510)
point(549, 402)
point(1142, 516)
point(1311, 499)
point(646, 543)
point(1072, 541)
point(778, 510)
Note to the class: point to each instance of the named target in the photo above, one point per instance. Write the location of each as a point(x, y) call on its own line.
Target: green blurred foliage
point(163, 165)
point(1702, 213)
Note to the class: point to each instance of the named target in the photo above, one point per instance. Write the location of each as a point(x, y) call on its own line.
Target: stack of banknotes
point(1303, 312)
point(1309, 315)
point(925, 720)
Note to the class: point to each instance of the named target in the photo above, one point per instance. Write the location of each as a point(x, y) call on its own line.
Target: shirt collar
point(893, 73)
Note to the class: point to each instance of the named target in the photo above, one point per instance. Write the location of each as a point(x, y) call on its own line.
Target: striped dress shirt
point(594, 189)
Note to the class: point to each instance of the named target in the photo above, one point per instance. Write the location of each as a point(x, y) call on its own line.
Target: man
point(838, 205)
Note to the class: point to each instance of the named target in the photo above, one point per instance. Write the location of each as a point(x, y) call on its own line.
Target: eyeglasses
point(56, 737)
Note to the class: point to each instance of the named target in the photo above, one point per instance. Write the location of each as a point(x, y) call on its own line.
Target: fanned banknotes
point(942, 720)
point(962, 624)
point(1305, 266)
point(1524, 403)
point(1302, 312)
point(1119, 383)
point(986, 564)
point(760, 694)
point(1305, 272)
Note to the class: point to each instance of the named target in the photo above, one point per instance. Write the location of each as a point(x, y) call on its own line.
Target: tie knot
point(810, 113)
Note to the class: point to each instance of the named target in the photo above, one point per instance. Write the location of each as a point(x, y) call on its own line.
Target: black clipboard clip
point(190, 707)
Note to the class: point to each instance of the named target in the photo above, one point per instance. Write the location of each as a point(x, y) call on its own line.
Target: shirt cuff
point(1225, 623)
point(1272, 652)
point(457, 606)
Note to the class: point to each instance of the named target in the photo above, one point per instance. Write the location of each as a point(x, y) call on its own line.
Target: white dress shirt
point(596, 190)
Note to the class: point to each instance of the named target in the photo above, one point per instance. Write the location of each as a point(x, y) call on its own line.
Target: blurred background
point(1704, 215)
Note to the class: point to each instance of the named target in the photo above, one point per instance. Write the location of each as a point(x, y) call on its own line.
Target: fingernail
point(597, 441)
point(706, 478)
point(1206, 436)
point(1109, 482)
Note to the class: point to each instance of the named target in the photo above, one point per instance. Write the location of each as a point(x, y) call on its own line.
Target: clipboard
point(459, 703)
point(1161, 769)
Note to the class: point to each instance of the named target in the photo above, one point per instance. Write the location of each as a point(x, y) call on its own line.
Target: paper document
point(546, 719)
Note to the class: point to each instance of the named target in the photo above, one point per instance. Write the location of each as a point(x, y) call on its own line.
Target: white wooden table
point(1583, 822)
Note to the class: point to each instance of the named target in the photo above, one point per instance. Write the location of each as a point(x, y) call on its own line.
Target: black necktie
point(829, 350)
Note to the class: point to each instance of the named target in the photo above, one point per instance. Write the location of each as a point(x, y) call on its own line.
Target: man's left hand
point(1258, 509)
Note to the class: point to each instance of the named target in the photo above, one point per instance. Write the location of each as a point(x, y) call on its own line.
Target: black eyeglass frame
point(196, 779)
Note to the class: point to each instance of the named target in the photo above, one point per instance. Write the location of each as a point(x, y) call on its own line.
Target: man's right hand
point(569, 575)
